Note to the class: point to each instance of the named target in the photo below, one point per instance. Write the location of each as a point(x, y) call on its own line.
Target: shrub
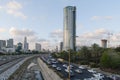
point(94, 65)
point(84, 62)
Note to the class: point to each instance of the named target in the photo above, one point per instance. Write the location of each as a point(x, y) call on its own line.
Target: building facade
point(10, 43)
point(2, 44)
point(38, 47)
point(26, 45)
point(61, 46)
point(69, 32)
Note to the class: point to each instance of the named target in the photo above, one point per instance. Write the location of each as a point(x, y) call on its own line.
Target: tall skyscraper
point(69, 36)
point(10, 43)
point(2, 44)
point(38, 47)
point(61, 46)
point(26, 45)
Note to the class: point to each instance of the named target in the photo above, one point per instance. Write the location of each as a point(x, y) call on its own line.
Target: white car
point(54, 66)
point(81, 67)
point(67, 70)
point(58, 68)
point(99, 75)
point(65, 65)
point(71, 72)
point(92, 71)
point(78, 71)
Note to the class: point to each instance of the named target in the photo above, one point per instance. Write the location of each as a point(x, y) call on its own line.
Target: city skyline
point(95, 19)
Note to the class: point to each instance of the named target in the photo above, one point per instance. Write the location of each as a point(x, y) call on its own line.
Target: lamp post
point(69, 55)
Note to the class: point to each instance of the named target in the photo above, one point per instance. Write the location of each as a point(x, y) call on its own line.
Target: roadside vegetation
point(107, 59)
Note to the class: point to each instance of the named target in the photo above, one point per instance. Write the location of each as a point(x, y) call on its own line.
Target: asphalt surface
point(77, 76)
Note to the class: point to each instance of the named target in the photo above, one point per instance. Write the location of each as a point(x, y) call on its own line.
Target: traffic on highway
point(76, 72)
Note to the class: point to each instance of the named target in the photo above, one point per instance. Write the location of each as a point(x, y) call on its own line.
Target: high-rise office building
point(10, 43)
point(26, 45)
point(69, 36)
point(61, 46)
point(2, 44)
point(38, 47)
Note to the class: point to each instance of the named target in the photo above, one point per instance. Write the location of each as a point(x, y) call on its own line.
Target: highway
point(85, 75)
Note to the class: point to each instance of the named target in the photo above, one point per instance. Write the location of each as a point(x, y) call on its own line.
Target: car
point(67, 70)
point(48, 62)
point(54, 66)
point(71, 72)
point(92, 71)
point(99, 75)
point(71, 66)
point(78, 71)
point(68, 67)
point(81, 67)
point(54, 62)
point(58, 68)
point(65, 65)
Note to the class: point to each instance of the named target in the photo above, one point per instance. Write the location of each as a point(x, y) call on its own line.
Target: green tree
point(85, 53)
point(110, 59)
point(105, 60)
point(96, 52)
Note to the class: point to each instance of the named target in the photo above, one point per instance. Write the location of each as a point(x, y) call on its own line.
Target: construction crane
point(109, 34)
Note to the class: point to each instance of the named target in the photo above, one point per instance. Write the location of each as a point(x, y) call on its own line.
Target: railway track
point(7, 65)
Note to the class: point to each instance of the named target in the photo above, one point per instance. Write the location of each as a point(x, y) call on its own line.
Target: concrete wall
point(47, 73)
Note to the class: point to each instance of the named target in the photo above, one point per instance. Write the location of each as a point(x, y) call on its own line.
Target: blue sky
point(42, 20)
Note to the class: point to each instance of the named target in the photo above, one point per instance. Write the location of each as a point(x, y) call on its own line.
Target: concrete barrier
point(47, 73)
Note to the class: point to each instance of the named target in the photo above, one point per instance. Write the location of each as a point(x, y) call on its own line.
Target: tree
point(96, 52)
point(85, 53)
point(117, 49)
point(110, 59)
point(105, 60)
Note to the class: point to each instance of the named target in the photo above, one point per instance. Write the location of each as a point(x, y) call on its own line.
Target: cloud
point(23, 32)
point(57, 33)
point(101, 18)
point(2, 30)
point(101, 31)
point(14, 5)
point(108, 17)
point(1, 7)
point(19, 34)
point(115, 37)
point(14, 8)
point(95, 18)
point(97, 34)
point(46, 44)
point(42, 40)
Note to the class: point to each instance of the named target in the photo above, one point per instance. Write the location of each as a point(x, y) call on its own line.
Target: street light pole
point(69, 64)
point(69, 56)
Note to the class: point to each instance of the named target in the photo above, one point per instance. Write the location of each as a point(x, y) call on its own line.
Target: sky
point(41, 21)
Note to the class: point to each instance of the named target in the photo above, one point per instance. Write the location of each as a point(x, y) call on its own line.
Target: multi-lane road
point(85, 74)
